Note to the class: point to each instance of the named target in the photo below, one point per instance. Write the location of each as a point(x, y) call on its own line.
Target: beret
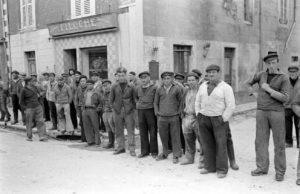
point(144, 73)
point(271, 54)
point(90, 81)
point(179, 76)
point(193, 74)
point(106, 81)
point(212, 67)
point(16, 72)
point(293, 67)
point(167, 73)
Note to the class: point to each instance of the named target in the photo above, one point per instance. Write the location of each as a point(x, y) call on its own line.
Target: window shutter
point(78, 8)
point(24, 18)
point(87, 7)
point(30, 12)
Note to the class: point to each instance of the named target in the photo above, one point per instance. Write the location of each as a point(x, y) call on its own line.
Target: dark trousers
point(53, 113)
point(265, 121)
point(91, 125)
point(170, 126)
point(73, 115)
point(79, 113)
point(289, 117)
point(4, 109)
point(148, 130)
point(213, 137)
point(35, 115)
point(101, 122)
point(230, 149)
point(46, 109)
point(182, 138)
point(16, 107)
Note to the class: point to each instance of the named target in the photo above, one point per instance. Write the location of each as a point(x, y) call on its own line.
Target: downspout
point(292, 28)
point(260, 65)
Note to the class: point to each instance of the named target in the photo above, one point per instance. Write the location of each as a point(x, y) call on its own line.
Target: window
point(283, 9)
point(82, 8)
point(248, 10)
point(228, 63)
point(27, 13)
point(294, 58)
point(31, 63)
point(182, 54)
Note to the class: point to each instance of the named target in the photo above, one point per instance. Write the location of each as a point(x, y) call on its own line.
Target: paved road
point(68, 167)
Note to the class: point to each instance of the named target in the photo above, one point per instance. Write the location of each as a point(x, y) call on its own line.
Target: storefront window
point(98, 61)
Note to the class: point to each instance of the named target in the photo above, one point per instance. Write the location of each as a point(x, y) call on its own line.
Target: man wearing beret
point(190, 124)
point(214, 106)
point(108, 117)
point(63, 97)
point(50, 95)
point(167, 109)
point(14, 97)
point(122, 101)
point(273, 92)
point(144, 98)
point(289, 114)
point(92, 105)
point(29, 101)
point(79, 103)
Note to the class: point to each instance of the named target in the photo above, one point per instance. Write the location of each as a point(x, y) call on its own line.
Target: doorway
point(228, 63)
point(70, 59)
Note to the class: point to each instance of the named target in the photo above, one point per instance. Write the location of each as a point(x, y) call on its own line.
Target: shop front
point(87, 44)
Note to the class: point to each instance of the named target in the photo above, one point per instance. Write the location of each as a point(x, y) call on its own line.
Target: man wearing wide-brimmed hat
point(273, 92)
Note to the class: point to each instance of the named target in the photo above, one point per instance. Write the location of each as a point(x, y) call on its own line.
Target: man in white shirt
point(214, 106)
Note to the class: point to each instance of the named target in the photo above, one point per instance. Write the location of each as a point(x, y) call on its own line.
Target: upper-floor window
point(27, 13)
point(283, 11)
point(248, 10)
point(82, 8)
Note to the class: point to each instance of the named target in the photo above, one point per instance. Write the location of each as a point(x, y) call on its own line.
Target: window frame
point(186, 54)
point(82, 8)
point(26, 25)
point(281, 12)
point(251, 11)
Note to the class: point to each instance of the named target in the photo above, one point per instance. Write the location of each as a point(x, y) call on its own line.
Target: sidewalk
point(240, 109)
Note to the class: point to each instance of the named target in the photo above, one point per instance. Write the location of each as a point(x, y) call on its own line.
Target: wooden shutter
point(78, 12)
point(87, 7)
point(30, 12)
point(23, 14)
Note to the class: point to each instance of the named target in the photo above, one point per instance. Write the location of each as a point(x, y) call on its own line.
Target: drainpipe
point(260, 65)
point(292, 28)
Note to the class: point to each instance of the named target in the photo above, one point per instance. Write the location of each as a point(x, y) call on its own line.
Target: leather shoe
point(14, 122)
point(279, 177)
point(186, 162)
point(234, 166)
point(119, 151)
point(161, 157)
point(221, 175)
point(29, 139)
point(154, 155)
point(204, 171)
point(175, 160)
point(298, 182)
point(132, 153)
point(142, 155)
point(108, 146)
point(258, 172)
point(201, 165)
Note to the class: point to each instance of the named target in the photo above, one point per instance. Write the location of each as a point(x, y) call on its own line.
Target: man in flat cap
point(214, 106)
point(144, 98)
point(108, 117)
point(273, 92)
point(29, 101)
point(50, 96)
point(122, 101)
point(134, 82)
point(14, 97)
point(190, 124)
point(92, 105)
point(293, 72)
point(63, 97)
point(167, 109)
point(79, 103)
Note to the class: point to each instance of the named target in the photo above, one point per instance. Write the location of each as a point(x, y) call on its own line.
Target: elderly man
point(92, 104)
point(29, 101)
point(272, 94)
point(214, 106)
point(122, 101)
point(289, 114)
point(167, 109)
point(145, 94)
point(50, 96)
point(63, 98)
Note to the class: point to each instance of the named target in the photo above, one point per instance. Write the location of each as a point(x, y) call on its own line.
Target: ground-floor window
point(31, 62)
point(228, 63)
point(182, 54)
point(98, 61)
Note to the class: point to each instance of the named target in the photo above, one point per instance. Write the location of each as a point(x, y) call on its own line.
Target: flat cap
point(132, 73)
point(60, 78)
point(213, 67)
point(270, 55)
point(121, 70)
point(45, 73)
point(77, 72)
point(90, 81)
point(144, 73)
point(293, 67)
point(23, 74)
point(94, 73)
point(193, 74)
point(82, 77)
point(106, 81)
point(15, 72)
point(167, 73)
point(52, 73)
point(65, 75)
point(179, 76)
point(27, 79)
point(33, 74)
point(197, 71)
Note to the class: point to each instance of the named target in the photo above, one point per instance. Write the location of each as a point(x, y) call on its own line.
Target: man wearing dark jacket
point(122, 100)
point(29, 101)
point(14, 97)
point(167, 109)
point(145, 94)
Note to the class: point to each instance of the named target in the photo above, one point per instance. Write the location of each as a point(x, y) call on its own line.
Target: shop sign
point(86, 24)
